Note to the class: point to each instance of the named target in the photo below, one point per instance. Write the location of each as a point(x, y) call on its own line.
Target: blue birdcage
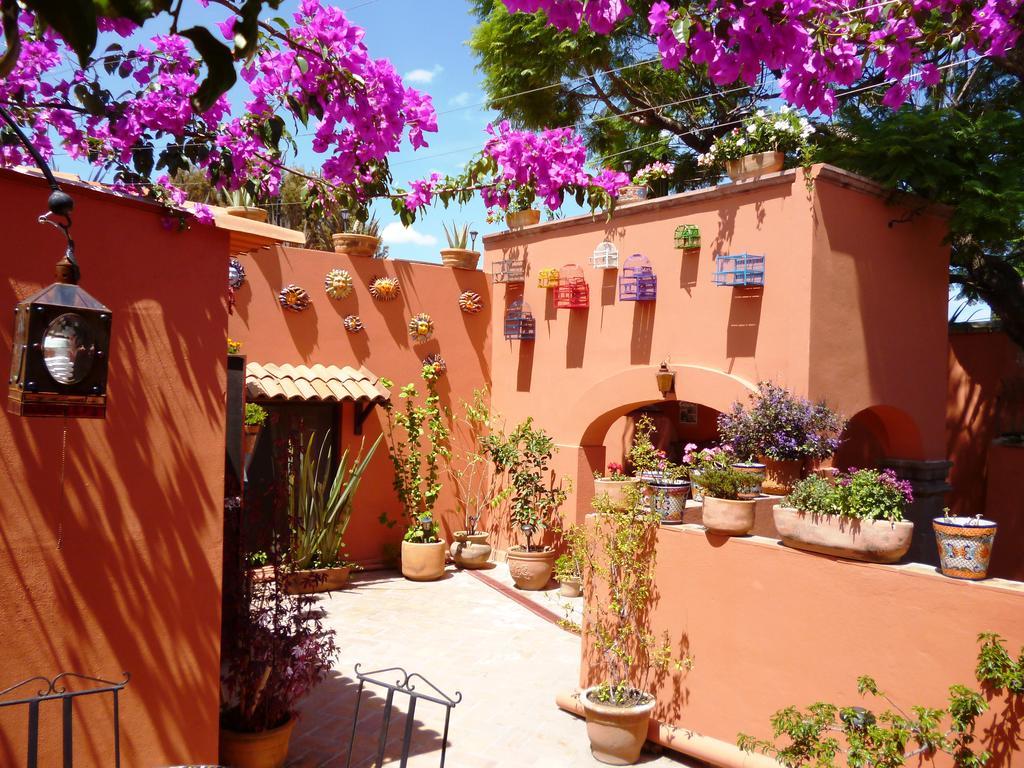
point(519, 322)
point(572, 291)
point(743, 269)
point(637, 281)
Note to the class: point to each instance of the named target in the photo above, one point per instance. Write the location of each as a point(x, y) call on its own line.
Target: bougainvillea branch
point(816, 46)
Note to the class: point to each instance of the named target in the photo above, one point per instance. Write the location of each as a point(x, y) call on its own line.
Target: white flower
point(803, 122)
point(784, 109)
point(741, 142)
point(751, 128)
point(760, 113)
point(781, 125)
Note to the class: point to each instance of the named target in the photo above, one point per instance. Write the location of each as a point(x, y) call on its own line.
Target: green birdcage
point(687, 237)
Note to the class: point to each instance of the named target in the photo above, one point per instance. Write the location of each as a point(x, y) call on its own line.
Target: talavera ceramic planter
point(965, 546)
point(873, 541)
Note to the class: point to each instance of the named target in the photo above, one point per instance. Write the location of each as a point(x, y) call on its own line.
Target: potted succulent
point(784, 431)
point(535, 494)
point(728, 508)
point(320, 503)
point(856, 515)
point(458, 254)
point(476, 471)
point(760, 144)
point(417, 444)
point(277, 654)
point(243, 203)
point(359, 235)
point(619, 570)
point(965, 545)
point(520, 211)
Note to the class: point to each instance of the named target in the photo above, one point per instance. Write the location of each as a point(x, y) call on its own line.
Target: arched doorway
point(876, 433)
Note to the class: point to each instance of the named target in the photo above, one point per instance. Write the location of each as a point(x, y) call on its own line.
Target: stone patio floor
point(462, 634)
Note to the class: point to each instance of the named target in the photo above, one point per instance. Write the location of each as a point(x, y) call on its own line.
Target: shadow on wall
point(117, 568)
point(643, 332)
point(744, 322)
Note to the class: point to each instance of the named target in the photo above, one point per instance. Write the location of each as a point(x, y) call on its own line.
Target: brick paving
point(463, 635)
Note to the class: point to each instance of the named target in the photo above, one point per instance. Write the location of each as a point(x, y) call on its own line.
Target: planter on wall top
point(873, 541)
point(616, 490)
point(728, 517)
point(780, 475)
point(965, 546)
point(460, 258)
point(352, 244)
point(753, 166)
point(247, 212)
point(516, 219)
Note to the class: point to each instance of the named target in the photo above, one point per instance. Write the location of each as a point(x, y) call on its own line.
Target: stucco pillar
point(928, 480)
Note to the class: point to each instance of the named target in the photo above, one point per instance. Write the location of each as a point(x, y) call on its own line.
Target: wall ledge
point(904, 570)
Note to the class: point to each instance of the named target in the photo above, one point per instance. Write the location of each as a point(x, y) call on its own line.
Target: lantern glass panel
point(68, 349)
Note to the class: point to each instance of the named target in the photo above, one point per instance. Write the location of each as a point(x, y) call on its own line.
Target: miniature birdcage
point(605, 256)
point(637, 281)
point(519, 322)
point(547, 278)
point(572, 291)
point(509, 270)
point(743, 269)
point(687, 237)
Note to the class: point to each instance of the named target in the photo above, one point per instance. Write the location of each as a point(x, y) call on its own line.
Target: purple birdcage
point(519, 322)
point(572, 291)
point(741, 270)
point(637, 281)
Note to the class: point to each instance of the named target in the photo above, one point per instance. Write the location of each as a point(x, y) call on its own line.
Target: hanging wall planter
point(965, 546)
point(294, 298)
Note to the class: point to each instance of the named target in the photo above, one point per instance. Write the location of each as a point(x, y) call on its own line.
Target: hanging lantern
point(236, 274)
point(385, 288)
point(421, 328)
point(470, 302)
point(338, 284)
point(666, 379)
point(352, 323)
point(293, 298)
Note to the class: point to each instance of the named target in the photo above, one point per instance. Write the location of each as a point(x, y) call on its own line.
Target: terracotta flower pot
point(531, 570)
point(667, 499)
point(460, 258)
point(617, 734)
point(423, 562)
point(753, 166)
point(570, 586)
point(266, 749)
point(780, 475)
point(311, 580)
point(965, 546)
point(516, 219)
point(632, 193)
point(757, 470)
point(352, 244)
point(616, 489)
point(728, 517)
point(250, 436)
point(470, 550)
point(873, 541)
point(247, 212)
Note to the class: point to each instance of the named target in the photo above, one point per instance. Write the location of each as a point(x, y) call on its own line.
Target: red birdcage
point(572, 291)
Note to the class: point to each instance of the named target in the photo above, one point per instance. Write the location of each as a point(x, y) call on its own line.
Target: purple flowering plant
point(864, 494)
point(781, 426)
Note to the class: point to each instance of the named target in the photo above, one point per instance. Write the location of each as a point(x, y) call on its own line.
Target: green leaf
point(682, 26)
point(74, 20)
point(220, 75)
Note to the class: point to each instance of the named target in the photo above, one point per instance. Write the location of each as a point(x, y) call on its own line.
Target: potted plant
point(243, 203)
point(520, 211)
point(458, 255)
point(276, 656)
point(615, 483)
point(665, 486)
point(320, 504)
point(693, 459)
point(253, 421)
point(784, 431)
point(476, 471)
point(654, 176)
point(535, 494)
point(417, 444)
point(965, 545)
point(728, 509)
point(760, 144)
point(618, 567)
point(567, 571)
point(856, 514)
point(359, 235)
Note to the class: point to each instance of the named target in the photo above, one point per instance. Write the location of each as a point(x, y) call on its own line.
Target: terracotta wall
point(768, 627)
point(272, 335)
point(805, 329)
point(119, 568)
point(986, 378)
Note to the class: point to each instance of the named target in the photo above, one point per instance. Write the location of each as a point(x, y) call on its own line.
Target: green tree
point(614, 88)
point(961, 148)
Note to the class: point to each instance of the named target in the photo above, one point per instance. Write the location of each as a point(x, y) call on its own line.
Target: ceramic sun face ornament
point(470, 302)
point(352, 323)
point(236, 273)
point(338, 284)
point(421, 328)
point(293, 298)
point(385, 288)
point(437, 361)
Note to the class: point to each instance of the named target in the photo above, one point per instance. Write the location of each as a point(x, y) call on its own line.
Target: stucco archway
point(879, 432)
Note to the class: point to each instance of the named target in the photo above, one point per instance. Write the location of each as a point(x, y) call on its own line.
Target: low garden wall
point(768, 627)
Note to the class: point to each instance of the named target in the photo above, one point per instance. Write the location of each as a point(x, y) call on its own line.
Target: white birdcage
point(605, 256)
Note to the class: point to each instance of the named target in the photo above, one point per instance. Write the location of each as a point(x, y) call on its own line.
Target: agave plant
point(458, 237)
point(320, 504)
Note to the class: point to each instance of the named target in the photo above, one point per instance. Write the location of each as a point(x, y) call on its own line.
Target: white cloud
point(423, 76)
point(460, 99)
point(395, 234)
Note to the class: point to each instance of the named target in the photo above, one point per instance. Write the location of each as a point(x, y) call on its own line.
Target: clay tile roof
point(328, 383)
